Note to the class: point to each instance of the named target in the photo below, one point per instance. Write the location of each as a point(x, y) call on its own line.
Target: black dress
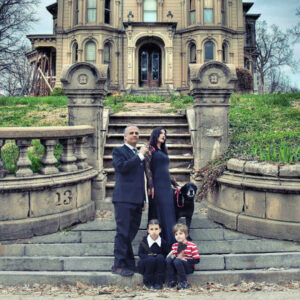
point(162, 206)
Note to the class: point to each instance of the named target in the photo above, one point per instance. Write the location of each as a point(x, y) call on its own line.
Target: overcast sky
point(280, 12)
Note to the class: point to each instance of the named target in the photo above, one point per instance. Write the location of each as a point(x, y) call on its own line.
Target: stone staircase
point(84, 254)
point(158, 91)
point(178, 141)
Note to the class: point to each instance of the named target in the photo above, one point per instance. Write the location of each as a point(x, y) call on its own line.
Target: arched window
point(193, 57)
point(225, 52)
point(75, 53)
point(223, 12)
point(91, 10)
point(150, 11)
point(76, 12)
point(90, 52)
point(107, 12)
point(106, 54)
point(192, 10)
point(209, 51)
point(208, 11)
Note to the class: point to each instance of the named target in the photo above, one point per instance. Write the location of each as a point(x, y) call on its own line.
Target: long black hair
point(154, 137)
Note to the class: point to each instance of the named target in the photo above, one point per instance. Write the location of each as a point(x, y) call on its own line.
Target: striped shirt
point(191, 252)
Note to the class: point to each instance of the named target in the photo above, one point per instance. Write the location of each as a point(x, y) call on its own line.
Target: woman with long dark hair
point(161, 205)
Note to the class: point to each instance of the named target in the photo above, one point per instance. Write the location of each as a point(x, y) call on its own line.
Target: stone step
point(118, 138)
point(181, 174)
point(104, 263)
point(147, 128)
point(140, 118)
point(225, 277)
point(106, 249)
point(176, 161)
point(173, 149)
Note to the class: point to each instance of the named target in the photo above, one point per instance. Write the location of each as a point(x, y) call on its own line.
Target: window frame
point(192, 12)
point(213, 51)
point(107, 12)
point(224, 12)
point(74, 52)
point(191, 46)
point(85, 50)
point(153, 11)
point(225, 49)
point(91, 9)
point(208, 7)
point(76, 12)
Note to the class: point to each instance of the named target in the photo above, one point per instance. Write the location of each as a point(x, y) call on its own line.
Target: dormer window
point(91, 11)
point(150, 11)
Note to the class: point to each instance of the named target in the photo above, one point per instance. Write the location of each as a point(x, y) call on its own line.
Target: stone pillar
point(84, 86)
point(211, 86)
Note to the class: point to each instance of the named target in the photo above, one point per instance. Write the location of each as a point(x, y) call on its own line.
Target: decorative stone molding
point(258, 198)
point(211, 85)
point(37, 204)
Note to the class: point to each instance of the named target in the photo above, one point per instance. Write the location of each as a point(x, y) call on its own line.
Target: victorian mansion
point(148, 44)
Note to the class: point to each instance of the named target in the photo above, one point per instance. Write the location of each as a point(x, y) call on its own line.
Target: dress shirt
point(151, 241)
point(141, 156)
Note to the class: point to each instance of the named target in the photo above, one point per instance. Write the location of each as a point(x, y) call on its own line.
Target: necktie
point(135, 151)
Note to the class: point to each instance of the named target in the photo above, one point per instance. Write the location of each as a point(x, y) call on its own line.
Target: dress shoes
point(122, 271)
point(182, 285)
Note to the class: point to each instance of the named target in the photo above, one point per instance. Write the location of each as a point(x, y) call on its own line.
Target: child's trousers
point(180, 267)
point(153, 268)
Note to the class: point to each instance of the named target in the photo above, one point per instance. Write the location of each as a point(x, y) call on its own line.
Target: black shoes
point(172, 284)
point(148, 285)
point(122, 271)
point(158, 286)
point(183, 285)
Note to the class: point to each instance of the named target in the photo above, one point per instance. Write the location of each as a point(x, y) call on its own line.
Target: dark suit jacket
point(144, 249)
point(130, 183)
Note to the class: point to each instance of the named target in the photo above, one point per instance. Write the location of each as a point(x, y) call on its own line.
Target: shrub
point(57, 92)
point(245, 80)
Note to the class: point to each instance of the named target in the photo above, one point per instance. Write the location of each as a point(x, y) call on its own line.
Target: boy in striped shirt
point(181, 263)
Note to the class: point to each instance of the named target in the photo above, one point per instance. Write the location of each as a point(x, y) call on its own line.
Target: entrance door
point(150, 66)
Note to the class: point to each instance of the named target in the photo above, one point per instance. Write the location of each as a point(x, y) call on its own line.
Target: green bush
point(245, 79)
point(57, 92)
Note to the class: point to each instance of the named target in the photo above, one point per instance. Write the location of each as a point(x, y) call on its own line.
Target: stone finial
point(84, 76)
point(212, 75)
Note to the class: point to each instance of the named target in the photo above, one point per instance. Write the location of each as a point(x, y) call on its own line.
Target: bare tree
point(276, 81)
point(17, 80)
point(16, 16)
point(295, 31)
point(274, 51)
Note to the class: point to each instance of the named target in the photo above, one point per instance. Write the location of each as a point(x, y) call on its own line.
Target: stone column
point(84, 86)
point(211, 86)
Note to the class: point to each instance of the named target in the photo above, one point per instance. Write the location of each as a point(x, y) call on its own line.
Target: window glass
point(225, 52)
point(208, 11)
point(91, 11)
point(106, 54)
point(209, 51)
point(90, 52)
point(223, 12)
point(107, 12)
point(75, 53)
point(76, 12)
point(144, 65)
point(155, 65)
point(193, 57)
point(150, 11)
point(192, 14)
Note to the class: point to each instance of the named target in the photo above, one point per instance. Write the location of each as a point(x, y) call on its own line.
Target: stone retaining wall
point(256, 198)
point(55, 197)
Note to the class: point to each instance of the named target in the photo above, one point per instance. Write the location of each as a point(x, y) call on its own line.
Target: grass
point(262, 127)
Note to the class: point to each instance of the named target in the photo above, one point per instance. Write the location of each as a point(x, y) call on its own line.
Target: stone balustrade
point(258, 198)
point(56, 196)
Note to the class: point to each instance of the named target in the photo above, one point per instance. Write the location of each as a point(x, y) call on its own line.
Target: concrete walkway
point(267, 295)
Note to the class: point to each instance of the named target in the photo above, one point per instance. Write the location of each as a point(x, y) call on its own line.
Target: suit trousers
point(128, 219)
point(153, 268)
point(180, 267)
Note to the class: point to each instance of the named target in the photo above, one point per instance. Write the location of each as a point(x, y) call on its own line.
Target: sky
point(279, 12)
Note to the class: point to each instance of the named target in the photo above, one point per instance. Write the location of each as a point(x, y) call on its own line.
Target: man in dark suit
point(128, 199)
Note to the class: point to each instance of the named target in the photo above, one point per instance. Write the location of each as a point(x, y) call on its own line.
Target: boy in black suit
point(128, 199)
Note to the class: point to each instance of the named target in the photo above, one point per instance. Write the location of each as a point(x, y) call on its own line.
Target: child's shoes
point(183, 285)
point(172, 284)
point(158, 286)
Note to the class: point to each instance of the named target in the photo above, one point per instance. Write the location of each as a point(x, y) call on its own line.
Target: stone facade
point(258, 198)
point(146, 43)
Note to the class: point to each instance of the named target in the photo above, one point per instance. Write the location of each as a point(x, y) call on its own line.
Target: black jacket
point(144, 249)
point(130, 183)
